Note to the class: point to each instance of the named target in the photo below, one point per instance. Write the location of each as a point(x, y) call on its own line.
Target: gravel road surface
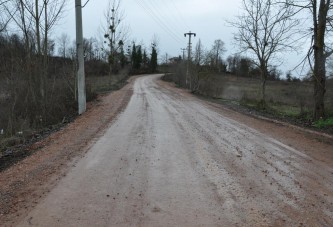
point(170, 159)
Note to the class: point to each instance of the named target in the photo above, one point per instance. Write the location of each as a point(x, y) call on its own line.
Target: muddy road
point(171, 159)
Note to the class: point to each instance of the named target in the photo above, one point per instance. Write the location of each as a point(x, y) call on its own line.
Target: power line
point(179, 14)
point(169, 13)
point(85, 3)
point(160, 22)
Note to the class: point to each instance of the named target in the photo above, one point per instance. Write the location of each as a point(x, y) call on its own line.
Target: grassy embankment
point(293, 100)
point(290, 101)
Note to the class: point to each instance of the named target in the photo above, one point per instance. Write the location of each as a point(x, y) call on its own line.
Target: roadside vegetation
point(38, 71)
point(266, 30)
point(288, 99)
point(38, 85)
point(324, 123)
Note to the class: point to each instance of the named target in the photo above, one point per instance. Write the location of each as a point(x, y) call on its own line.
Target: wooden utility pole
point(189, 48)
point(81, 87)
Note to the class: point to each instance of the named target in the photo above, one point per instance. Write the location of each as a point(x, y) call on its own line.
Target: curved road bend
point(171, 160)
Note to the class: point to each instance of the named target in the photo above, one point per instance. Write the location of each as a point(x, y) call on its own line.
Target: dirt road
point(173, 160)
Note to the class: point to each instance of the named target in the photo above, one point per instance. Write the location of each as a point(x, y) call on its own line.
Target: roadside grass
point(278, 109)
point(285, 110)
point(291, 98)
point(287, 101)
point(103, 84)
point(324, 123)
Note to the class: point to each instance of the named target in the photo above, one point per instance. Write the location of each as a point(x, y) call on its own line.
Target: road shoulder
point(24, 184)
point(297, 137)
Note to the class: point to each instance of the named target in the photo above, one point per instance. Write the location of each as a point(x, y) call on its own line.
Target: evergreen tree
point(122, 58)
point(133, 57)
point(153, 62)
point(145, 59)
point(138, 58)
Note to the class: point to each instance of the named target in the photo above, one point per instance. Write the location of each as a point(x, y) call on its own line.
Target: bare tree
point(115, 33)
point(199, 53)
point(239, 65)
point(63, 42)
point(233, 62)
point(217, 51)
point(321, 46)
point(90, 49)
point(4, 17)
point(35, 19)
point(51, 13)
point(265, 29)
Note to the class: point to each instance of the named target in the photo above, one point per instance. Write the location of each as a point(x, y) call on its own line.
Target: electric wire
point(178, 13)
point(158, 20)
point(167, 13)
point(85, 3)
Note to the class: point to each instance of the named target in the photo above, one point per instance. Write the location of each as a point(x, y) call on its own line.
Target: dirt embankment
point(25, 183)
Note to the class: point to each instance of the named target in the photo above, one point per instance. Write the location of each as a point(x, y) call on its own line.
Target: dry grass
point(101, 84)
point(287, 98)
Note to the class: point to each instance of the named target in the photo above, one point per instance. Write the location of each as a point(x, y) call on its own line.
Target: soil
point(171, 159)
point(31, 170)
point(270, 115)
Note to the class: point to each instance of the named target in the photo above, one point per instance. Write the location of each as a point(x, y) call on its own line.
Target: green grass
point(324, 123)
point(285, 110)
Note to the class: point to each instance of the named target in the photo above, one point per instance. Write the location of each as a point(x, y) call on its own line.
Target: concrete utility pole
point(183, 50)
point(189, 48)
point(81, 87)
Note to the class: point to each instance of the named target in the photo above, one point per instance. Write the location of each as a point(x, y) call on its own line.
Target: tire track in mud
point(276, 170)
point(173, 160)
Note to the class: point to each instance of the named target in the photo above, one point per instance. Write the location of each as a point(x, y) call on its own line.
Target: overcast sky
point(168, 20)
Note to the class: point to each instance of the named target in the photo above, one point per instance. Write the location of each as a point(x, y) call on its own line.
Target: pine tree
point(145, 59)
point(133, 57)
point(153, 62)
point(138, 58)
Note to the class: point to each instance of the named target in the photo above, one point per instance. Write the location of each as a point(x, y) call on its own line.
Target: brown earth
point(27, 182)
point(171, 159)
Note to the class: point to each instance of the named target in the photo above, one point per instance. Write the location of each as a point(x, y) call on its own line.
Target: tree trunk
point(319, 70)
point(319, 77)
point(37, 17)
point(43, 73)
point(263, 86)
